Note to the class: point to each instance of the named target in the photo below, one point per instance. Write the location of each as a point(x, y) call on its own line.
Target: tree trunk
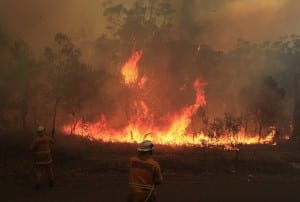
point(260, 128)
point(54, 117)
point(34, 117)
point(74, 125)
point(296, 118)
point(151, 9)
point(296, 121)
point(24, 113)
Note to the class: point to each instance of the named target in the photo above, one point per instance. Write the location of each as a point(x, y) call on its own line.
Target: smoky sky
point(215, 22)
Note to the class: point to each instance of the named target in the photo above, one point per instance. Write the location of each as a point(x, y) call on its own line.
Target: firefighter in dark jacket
point(41, 145)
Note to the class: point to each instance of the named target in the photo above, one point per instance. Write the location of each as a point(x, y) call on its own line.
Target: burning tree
point(232, 127)
point(216, 128)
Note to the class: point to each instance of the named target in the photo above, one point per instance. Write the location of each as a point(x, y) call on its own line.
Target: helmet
point(40, 129)
point(145, 146)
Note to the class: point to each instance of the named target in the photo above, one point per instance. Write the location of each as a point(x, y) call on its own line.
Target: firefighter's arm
point(157, 175)
point(50, 139)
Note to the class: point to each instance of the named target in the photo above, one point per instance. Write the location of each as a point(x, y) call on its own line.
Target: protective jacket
point(42, 149)
point(144, 175)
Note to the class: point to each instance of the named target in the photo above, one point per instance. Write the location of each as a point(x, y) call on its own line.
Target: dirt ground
point(112, 187)
point(88, 171)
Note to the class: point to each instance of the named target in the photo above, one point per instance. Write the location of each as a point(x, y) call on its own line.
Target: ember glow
point(174, 130)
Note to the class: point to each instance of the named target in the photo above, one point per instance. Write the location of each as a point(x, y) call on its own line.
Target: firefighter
point(144, 174)
point(41, 145)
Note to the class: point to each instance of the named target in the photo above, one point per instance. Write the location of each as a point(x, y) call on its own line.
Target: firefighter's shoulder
point(153, 162)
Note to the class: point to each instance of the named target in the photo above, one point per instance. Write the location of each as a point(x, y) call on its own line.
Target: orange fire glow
point(173, 132)
point(130, 69)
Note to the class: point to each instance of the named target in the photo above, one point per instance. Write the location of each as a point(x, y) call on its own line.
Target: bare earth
point(91, 172)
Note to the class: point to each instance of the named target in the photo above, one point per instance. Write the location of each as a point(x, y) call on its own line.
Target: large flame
point(130, 69)
point(173, 131)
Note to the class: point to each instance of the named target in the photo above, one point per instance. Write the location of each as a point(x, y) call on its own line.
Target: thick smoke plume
point(217, 23)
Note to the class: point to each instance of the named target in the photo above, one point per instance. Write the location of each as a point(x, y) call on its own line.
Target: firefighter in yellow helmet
point(144, 174)
point(41, 145)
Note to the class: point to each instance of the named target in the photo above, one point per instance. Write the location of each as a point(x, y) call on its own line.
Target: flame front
point(173, 132)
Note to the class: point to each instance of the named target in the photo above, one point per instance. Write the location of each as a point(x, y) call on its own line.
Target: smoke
point(220, 23)
point(217, 23)
point(38, 21)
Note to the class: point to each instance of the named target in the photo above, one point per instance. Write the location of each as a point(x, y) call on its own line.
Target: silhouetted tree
point(68, 77)
point(24, 75)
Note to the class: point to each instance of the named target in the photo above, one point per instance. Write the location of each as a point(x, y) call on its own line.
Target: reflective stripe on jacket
point(143, 186)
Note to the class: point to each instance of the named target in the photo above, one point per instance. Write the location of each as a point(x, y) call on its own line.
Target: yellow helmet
point(145, 146)
point(40, 129)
